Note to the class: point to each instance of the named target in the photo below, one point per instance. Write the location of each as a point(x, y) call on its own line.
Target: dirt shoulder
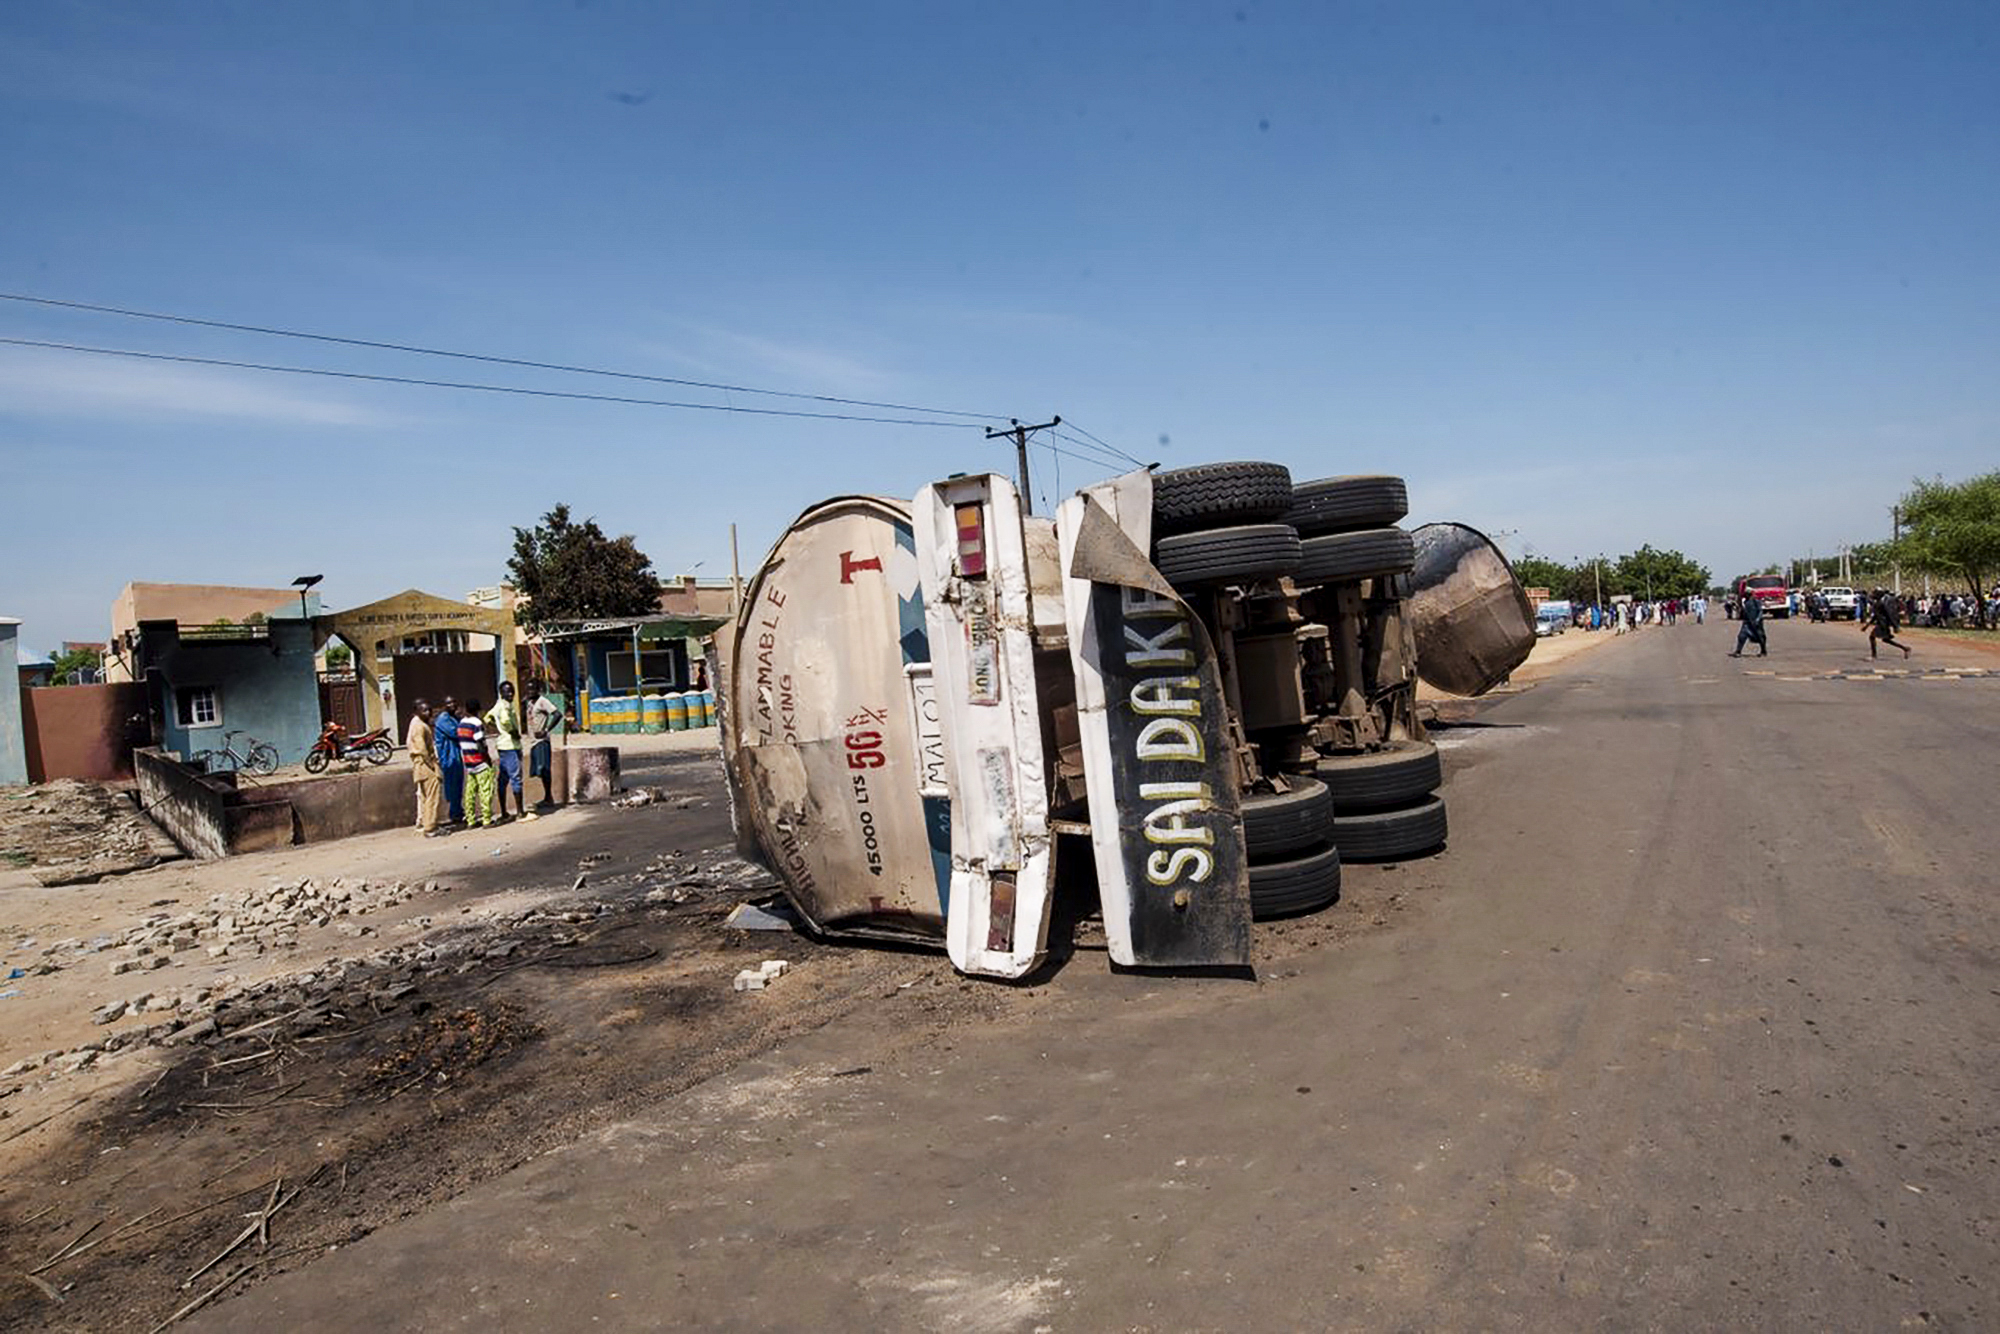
point(474, 1007)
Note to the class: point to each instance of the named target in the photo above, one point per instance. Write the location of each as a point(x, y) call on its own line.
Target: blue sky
point(1716, 277)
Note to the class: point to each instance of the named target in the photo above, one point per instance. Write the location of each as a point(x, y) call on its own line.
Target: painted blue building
point(206, 681)
point(13, 746)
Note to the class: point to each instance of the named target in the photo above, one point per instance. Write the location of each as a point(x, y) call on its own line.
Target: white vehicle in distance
point(1842, 604)
point(1552, 618)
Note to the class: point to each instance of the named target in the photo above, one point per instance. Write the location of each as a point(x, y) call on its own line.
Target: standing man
point(1751, 614)
point(1882, 623)
point(543, 716)
point(424, 767)
point(503, 732)
point(450, 764)
point(478, 768)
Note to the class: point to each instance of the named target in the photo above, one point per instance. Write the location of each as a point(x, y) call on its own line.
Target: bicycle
point(257, 757)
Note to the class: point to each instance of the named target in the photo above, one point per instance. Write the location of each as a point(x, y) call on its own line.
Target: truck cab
point(1770, 590)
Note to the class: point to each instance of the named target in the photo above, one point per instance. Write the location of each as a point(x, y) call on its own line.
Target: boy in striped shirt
point(481, 784)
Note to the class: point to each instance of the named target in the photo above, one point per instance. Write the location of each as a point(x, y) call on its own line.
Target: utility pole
point(1896, 531)
point(735, 576)
point(1019, 434)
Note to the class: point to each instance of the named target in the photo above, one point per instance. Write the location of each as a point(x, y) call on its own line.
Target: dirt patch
point(361, 1090)
point(72, 832)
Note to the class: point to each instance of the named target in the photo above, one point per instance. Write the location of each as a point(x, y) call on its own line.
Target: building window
point(198, 706)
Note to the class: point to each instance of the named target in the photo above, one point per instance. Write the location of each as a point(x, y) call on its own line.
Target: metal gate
point(340, 702)
point(433, 676)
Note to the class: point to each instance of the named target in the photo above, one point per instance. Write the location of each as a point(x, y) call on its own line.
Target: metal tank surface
point(1474, 624)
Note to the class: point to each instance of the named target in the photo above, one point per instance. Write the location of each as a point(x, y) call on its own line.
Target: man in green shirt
point(503, 736)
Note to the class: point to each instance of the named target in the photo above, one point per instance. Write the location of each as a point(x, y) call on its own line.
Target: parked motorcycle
point(335, 744)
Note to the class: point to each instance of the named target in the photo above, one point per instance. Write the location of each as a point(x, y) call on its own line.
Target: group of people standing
point(466, 762)
point(1620, 617)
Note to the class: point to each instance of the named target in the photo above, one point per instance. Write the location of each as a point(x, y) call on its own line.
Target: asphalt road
point(1694, 1028)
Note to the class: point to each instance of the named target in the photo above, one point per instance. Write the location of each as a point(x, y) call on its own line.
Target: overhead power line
point(486, 388)
point(1097, 441)
point(1112, 458)
point(379, 345)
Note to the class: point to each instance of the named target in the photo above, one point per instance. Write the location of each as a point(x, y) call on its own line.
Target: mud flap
point(973, 565)
point(1165, 825)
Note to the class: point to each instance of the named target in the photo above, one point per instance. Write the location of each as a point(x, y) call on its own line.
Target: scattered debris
point(762, 976)
point(773, 915)
point(72, 832)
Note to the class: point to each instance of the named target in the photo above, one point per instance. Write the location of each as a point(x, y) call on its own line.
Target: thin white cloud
point(770, 363)
point(45, 384)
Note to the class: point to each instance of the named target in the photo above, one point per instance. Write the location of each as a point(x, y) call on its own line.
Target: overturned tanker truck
point(1198, 684)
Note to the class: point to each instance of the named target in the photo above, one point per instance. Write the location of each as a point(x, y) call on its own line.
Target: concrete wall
point(349, 804)
point(215, 816)
point(184, 803)
point(266, 687)
point(13, 742)
point(84, 732)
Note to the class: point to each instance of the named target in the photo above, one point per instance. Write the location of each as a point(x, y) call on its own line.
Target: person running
point(426, 770)
point(479, 776)
point(504, 733)
point(1751, 614)
point(451, 763)
point(1882, 624)
point(543, 717)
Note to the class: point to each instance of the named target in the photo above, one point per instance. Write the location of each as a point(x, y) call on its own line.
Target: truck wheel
point(1287, 821)
point(1380, 779)
point(1228, 555)
point(1213, 495)
point(1387, 836)
point(1341, 504)
point(1299, 884)
point(1339, 557)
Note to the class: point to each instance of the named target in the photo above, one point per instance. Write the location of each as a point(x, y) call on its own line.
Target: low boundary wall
point(212, 815)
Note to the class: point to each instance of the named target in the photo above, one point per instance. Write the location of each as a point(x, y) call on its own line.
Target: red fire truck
point(1768, 589)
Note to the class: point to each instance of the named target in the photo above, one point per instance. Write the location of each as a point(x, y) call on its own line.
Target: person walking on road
point(1752, 628)
point(479, 777)
point(425, 769)
point(1882, 624)
point(543, 716)
point(450, 763)
point(504, 735)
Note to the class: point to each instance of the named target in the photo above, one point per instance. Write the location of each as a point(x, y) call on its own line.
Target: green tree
point(85, 660)
point(1647, 573)
point(1541, 572)
point(339, 657)
point(1952, 529)
point(567, 571)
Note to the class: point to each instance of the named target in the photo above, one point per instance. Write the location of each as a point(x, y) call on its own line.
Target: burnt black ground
point(1691, 1027)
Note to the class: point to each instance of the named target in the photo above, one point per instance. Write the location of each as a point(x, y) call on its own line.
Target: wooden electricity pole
point(1019, 434)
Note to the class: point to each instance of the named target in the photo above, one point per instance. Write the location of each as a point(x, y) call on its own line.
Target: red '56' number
point(864, 750)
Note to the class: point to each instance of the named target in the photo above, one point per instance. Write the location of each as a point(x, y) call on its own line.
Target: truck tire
point(1381, 779)
point(1387, 836)
point(1367, 554)
point(1228, 555)
point(1342, 504)
point(1283, 822)
point(1298, 884)
point(1213, 495)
